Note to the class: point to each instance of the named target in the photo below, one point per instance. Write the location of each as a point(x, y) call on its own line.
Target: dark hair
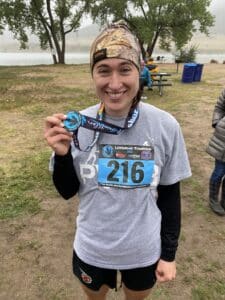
point(137, 98)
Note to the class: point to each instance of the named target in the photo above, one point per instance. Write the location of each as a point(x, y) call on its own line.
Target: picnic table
point(160, 80)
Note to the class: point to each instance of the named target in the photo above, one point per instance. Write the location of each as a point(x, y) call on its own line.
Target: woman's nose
point(115, 81)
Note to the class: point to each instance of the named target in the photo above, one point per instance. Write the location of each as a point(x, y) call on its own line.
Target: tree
point(163, 21)
point(187, 54)
point(12, 16)
point(1, 18)
point(49, 20)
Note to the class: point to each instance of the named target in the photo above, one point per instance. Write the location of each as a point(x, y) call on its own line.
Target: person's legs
point(95, 281)
point(135, 295)
point(223, 194)
point(96, 295)
point(137, 283)
point(214, 187)
point(143, 83)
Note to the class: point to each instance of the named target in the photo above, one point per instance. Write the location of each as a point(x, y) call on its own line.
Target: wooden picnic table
point(160, 80)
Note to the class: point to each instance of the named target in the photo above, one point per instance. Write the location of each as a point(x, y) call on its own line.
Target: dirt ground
point(36, 250)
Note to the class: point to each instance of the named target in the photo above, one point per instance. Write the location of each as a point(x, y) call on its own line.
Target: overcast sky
point(217, 8)
point(216, 3)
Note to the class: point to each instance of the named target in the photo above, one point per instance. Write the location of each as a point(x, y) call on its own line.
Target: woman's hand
point(165, 270)
point(57, 137)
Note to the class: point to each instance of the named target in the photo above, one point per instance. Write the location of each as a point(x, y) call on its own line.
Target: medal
point(73, 121)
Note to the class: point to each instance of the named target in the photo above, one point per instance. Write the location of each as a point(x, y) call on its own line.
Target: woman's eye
point(125, 70)
point(103, 71)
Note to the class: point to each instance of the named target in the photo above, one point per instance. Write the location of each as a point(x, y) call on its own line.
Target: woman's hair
point(117, 41)
point(137, 98)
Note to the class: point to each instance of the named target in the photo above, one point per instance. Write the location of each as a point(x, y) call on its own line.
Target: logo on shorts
point(85, 277)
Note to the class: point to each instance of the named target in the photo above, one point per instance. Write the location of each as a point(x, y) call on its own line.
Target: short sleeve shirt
point(118, 225)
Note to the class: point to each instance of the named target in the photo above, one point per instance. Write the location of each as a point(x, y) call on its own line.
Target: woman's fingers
point(54, 120)
point(57, 137)
point(57, 130)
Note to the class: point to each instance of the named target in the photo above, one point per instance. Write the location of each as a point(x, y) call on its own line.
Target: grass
point(29, 92)
point(209, 290)
point(18, 189)
point(28, 199)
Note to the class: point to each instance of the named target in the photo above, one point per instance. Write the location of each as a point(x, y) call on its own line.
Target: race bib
point(125, 166)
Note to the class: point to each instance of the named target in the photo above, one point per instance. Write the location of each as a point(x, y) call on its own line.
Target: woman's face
point(116, 83)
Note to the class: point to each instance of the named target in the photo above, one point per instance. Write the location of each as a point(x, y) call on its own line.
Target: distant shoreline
point(45, 58)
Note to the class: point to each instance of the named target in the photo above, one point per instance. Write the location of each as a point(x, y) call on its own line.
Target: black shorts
point(138, 279)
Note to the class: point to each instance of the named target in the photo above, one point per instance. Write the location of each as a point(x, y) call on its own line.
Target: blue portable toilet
point(188, 72)
point(198, 72)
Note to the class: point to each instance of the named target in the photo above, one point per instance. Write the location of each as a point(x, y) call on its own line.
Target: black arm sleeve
point(64, 176)
point(170, 206)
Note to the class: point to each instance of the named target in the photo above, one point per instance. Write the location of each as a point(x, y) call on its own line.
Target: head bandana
point(116, 41)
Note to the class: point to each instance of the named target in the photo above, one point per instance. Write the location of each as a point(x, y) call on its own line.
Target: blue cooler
point(188, 72)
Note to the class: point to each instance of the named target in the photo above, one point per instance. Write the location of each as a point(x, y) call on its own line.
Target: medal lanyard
point(75, 120)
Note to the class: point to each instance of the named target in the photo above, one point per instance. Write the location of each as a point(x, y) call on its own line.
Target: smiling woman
point(127, 179)
point(117, 83)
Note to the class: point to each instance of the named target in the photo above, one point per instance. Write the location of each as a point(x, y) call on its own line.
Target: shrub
point(186, 54)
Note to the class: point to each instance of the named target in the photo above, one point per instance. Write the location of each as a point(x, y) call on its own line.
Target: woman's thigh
point(136, 295)
point(137, 283)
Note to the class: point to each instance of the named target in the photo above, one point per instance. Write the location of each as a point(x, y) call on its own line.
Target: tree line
point(168, 22)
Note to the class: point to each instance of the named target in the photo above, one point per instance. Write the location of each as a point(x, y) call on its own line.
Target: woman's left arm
point(170, 206)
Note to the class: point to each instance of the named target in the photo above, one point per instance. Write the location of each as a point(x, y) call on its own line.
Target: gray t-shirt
point(118, 227)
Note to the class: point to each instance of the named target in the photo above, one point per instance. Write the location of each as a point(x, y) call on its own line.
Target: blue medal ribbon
point(75, 120)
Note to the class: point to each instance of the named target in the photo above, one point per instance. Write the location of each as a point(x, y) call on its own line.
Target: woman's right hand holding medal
point(57, 137)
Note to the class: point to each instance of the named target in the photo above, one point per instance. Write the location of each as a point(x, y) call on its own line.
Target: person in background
point(153, 68)
point(216, 148)
point(128, 184)
point(145, 77)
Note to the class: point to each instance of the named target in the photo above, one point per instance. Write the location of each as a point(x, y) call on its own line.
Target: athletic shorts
point(138, 279)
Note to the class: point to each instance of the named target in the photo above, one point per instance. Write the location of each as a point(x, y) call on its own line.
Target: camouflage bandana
point(116, 41)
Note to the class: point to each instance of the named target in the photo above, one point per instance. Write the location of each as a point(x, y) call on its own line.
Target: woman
point(127, 182)
point(216, 148)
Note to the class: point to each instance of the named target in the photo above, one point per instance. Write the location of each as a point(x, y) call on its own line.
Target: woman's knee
point(136, 295)
point(96, 295)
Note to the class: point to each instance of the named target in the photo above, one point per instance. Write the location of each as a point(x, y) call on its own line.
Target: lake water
point(38, 58)
point(26, 58)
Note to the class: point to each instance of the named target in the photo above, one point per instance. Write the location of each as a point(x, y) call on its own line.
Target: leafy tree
point(165, 21)
point(49, 20)
point(12, 16)
point(1, 18)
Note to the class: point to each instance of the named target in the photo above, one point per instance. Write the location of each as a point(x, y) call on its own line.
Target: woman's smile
point(115, 95)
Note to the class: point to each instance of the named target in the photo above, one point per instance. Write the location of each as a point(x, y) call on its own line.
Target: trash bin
point(198, 72)
point(188, 72)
